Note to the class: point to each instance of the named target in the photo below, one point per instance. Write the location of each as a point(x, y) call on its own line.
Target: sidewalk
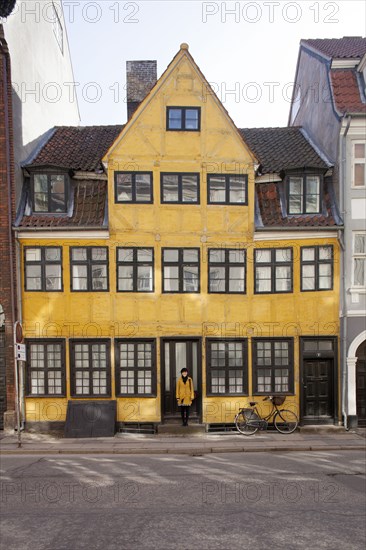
point(191, 445)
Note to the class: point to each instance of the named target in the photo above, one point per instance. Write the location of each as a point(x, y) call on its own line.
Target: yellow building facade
point(185, 277)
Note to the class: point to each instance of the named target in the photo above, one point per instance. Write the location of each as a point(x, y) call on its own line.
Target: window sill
point(357, 290)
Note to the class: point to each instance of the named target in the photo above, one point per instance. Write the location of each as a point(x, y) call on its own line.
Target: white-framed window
point(359, 260)
point(359, 164)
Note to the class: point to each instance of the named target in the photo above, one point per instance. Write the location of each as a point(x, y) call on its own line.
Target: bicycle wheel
point(242, 422)
point(285, 421)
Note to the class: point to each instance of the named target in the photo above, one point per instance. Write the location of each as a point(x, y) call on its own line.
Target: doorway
point(318, 390)
point(177, 353)
point(361, 384)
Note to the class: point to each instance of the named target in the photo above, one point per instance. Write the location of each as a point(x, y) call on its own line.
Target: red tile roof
point(282, 148)
point(89, 208)
point(77, 147)
point(352, 47)
point(346, 91)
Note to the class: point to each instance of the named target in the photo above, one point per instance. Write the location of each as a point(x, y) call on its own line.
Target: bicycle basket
point(278, 400)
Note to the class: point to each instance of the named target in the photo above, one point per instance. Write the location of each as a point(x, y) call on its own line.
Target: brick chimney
point(141, 77)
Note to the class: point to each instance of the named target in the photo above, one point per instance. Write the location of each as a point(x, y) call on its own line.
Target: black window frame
point(135, 264)
point(42, 263)
point(119, 369)
point(273, 264)
point(304, 194)
point(273, 367)
point(180, 264)
point(134, 173)
point(209, 368)
point(183, 118)
point(180, 187)
point(29, 369)
point(227, 264)
point(49, 174)
point(317, 262)
point(89, 262)
point(227, 189)
point(90, 342)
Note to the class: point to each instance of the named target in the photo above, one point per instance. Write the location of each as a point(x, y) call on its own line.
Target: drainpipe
point(342, 195)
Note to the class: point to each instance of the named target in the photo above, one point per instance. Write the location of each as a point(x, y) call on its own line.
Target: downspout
point(343, 278)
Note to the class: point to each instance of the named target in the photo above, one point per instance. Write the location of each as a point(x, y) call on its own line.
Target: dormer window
point(183, 118)
point(304, 194)
point(49, 193)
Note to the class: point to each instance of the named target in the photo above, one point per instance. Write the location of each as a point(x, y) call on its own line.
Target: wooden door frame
point(165, 339)
point(304, 356)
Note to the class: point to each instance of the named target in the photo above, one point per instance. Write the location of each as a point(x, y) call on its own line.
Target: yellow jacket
point(184, 391)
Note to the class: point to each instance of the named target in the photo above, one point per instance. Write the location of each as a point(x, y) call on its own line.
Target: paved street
point(227, 501)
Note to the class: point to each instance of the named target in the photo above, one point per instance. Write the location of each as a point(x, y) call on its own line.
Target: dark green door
point(318, 393)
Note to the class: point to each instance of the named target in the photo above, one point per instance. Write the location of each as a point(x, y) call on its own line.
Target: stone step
point(181, 431)
point(321, 429)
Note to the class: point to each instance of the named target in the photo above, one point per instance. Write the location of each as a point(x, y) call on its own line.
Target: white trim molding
point(294, 235)
point(351, 374)
point(64, 235)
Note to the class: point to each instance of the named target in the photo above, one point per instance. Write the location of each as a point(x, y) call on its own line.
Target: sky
point(246, 50)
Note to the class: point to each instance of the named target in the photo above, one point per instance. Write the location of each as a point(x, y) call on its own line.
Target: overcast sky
point(246, 50)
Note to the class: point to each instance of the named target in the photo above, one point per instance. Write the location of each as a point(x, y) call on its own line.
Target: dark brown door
point(361, 391)
point(318, 392)
point(177, 354)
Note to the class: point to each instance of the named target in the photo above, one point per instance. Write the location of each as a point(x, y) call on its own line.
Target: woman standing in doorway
point(184, 394)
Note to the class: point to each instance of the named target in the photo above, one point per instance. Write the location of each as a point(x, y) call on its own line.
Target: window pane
point(99, 277)
point(359, 150)
point(144, 278)
point(53, 277)
point(40, 183)
point(175, 119)
point(359, 271)
point(189, 188)
point(125, 278)
point(295, 206)
point(125, 254)
point(124, 187)
point(263, 256)
point(217, 256)
point(171, 255)
point(237, 256)
point(145, 255)
point(190, 255)
point(283, 255)
point(53, 254)
point(308, 277)
point(359, 174)
point(190, 279)
point(171, 279)
point(79, 277)
point(217, 279)
point(308, 254)
point(237, 189)
point(325, 276)
point(360, 244)
point(263, 279)
point(312, 185)
point(191, 119)
point(283, 278)
point(99, 254)
point(33, 254)
point(325, 253)
point(33, 277)
point(58, 202)
point(170, 188)
point(79, 254)
point(143, 187)
point(236, 279)
point(312, 204)
point(217, 188)
point(40, 202)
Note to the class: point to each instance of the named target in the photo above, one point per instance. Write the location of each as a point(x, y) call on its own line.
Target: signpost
point(20, 355)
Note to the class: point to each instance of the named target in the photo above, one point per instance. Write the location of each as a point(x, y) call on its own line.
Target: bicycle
point(248, 420)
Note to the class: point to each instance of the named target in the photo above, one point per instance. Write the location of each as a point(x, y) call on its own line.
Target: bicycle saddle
point(252, 403)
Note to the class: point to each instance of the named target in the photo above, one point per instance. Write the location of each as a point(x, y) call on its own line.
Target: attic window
point(304, 194)
point(183, 118)
point(49, 193)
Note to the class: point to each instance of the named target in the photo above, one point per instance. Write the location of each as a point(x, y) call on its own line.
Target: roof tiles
point(346, 91)
point(352, 47)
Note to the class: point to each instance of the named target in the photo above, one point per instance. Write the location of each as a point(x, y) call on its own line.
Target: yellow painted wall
point(217, 148)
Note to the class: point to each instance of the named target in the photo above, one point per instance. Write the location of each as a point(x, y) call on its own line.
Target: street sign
point(20, 353)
